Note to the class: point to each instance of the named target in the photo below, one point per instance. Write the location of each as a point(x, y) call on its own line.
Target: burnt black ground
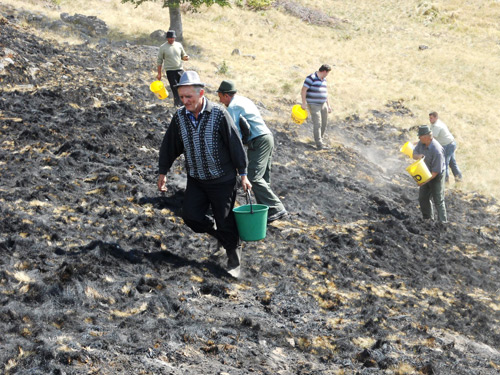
point(100, 276)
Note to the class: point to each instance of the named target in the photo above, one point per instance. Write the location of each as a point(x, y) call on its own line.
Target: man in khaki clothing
point(170, 56)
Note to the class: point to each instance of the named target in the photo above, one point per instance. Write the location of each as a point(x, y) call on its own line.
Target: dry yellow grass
point(375, 54)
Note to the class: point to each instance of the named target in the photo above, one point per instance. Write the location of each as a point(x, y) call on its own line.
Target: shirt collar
point(318, 77)
point(203, 107)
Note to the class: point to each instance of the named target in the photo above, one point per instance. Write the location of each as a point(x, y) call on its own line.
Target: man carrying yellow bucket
point(314, 95)
point(171, 55)
point(433, 188)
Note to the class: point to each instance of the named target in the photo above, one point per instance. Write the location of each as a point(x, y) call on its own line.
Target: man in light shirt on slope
point(443, 135)
point(260, 142)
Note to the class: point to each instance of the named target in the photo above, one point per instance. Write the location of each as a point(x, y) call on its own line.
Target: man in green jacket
point(260, 141)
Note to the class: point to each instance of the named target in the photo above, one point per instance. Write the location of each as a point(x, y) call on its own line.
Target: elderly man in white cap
point(205, 133)
point(170, 56)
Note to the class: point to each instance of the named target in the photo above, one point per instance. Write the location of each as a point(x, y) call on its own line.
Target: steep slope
point(99, 275)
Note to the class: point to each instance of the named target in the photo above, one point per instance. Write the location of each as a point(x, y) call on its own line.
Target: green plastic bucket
point(251, 220)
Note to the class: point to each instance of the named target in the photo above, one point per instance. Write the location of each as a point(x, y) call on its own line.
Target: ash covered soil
point(100, 276)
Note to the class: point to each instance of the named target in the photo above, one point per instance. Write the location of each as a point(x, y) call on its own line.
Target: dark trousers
point(198, 197)
point(260, 154)
point(433, 190)
point(173, 77)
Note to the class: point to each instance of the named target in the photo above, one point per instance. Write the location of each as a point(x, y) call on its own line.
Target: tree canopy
point(175, 12)
point(176, 3)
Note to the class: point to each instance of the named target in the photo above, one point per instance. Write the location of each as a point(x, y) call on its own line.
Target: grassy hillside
point(439, 56)
point(100, 275)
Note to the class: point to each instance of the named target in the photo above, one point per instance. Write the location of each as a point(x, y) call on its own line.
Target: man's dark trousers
point(434, 190)
point(220, 196)
point(173, 77)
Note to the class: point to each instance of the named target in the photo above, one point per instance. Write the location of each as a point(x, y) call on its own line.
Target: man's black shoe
point(276, 216)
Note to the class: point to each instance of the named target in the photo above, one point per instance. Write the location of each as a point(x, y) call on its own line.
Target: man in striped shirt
point(315, 94)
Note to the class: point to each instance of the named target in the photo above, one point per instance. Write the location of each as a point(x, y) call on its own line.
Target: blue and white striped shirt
point(316, 89)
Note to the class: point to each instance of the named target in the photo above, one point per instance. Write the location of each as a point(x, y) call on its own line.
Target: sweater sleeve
point(171, 146)
point(159, 59)
point(232, 139)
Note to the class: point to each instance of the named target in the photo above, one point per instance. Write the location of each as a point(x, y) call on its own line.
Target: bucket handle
point(249, 200)
point(422, 158)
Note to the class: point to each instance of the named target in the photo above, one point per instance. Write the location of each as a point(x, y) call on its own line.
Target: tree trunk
point(176, 21)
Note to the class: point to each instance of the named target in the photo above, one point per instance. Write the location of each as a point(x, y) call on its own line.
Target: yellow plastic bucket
point(407, 149)
point(158, 89)
point(419, 171)
point(298, 114)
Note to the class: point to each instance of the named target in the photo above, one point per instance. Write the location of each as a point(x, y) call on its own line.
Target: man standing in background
point(315, 94)
point(171, 55)
point(260, 141)
point(443, 135)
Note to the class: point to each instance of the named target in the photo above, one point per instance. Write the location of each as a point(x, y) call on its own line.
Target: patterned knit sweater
point(213, 150)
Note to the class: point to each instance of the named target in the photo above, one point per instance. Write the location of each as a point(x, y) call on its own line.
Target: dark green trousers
point(433, 190)
point(260, 154)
